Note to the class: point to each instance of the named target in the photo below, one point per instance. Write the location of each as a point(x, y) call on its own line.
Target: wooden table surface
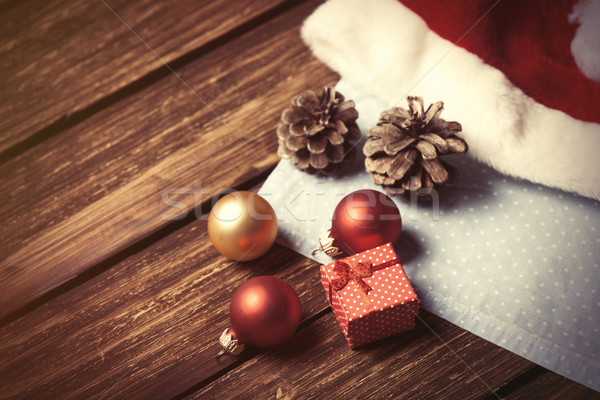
point(106, 291)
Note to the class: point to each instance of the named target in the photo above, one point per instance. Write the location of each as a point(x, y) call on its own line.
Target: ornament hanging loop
point(317, 251)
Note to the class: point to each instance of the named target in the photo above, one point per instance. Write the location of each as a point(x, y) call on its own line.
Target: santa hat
point(521, 77)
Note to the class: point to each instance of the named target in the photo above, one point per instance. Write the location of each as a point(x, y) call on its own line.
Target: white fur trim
point(585, 46)
point(388, 51)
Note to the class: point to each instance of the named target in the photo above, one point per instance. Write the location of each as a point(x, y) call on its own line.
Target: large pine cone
point(403, 150)
point(318, 133)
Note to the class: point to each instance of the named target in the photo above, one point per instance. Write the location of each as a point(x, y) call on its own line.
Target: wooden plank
point(551, 386)
point(59, 57)
point(91, 191)
point(147, 328)
point(414, 364)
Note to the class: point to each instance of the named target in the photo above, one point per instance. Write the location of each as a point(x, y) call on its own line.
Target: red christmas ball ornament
point(265, 311)
point(362, 220)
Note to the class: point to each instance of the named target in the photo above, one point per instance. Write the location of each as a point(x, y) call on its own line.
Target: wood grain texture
point(318, 364)
point(146, 328)
point(59, 57)
point(85, 194)
point(551, 386)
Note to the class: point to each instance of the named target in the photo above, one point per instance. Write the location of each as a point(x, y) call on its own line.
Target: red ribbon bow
point(356, 273)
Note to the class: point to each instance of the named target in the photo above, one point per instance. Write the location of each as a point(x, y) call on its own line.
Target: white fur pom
point(586, 43)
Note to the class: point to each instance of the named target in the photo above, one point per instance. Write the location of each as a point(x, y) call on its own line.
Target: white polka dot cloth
point(511, 261)
point(394, 303)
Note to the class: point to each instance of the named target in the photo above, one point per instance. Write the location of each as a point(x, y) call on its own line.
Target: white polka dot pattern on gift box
point(394, 303)
point(511, 261)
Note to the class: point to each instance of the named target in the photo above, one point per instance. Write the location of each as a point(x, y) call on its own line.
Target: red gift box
point(370, 295)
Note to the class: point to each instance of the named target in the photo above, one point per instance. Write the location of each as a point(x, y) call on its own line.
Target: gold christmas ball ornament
point(242, 226)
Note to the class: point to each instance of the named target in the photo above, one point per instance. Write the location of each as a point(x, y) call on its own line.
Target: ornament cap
point(327, 246)
point(229, 344)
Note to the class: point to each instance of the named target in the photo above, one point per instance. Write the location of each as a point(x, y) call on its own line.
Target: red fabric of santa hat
point(522, 77)
point(529, 41)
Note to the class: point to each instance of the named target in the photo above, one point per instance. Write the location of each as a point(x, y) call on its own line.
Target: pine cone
point(318, 133)
point(403, 150)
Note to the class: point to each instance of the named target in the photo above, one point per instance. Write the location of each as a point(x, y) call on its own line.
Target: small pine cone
point(318, 133)
point(403, 150)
